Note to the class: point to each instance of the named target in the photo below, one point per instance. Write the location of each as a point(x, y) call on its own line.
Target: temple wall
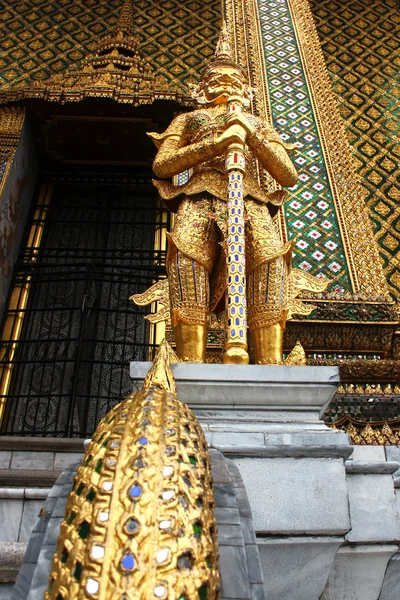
point(177, 38)
point(28, 470)
point(361, 52)
point(44, 39)
point(15, 202)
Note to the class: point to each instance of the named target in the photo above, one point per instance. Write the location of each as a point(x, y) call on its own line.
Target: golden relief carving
point(297, 356)
point(224, 222)
point(11, 121)
point(43, 39)
point(375, 434)
point(116, 69)
point(140, 521)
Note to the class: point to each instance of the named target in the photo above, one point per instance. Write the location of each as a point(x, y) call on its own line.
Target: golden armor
point(198, 244)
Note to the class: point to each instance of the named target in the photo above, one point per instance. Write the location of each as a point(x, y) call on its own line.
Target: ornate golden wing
point(300, 281)
point(159, 292)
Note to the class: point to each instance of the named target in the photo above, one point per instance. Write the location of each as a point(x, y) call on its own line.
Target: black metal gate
point(70, 362)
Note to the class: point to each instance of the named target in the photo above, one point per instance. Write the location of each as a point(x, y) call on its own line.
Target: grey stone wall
point(29, 468)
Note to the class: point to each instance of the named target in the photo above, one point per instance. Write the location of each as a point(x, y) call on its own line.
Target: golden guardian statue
point(225, 249)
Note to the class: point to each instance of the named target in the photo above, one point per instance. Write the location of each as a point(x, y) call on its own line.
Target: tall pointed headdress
point(223, 55)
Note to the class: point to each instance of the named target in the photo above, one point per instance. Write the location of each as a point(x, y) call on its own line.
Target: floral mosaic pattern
point(310, 212)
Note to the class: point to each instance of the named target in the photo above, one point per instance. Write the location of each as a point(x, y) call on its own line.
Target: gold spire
point(223, 55)
point(115, 69)
point(223, 51)
point(297, 356)
point(125, 20)
point(160, 374)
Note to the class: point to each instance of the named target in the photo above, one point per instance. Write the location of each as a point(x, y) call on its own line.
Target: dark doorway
point(79, 330)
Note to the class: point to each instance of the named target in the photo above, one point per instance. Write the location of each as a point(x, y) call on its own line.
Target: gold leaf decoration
point(297, 356)
point(139, 523)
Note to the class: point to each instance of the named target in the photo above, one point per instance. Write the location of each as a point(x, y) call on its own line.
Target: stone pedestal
point(268, 420)
point(274, 408)
point(326, 518)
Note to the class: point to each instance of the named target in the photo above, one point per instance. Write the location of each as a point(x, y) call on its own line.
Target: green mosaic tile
point(309, 210)
point(362, 56)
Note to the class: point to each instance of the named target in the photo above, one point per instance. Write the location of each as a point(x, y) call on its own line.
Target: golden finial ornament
point(139, 523)
point(125, 22)
point(223, 50)
point(297, 356)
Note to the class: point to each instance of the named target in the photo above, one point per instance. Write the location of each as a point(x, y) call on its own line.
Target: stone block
point(59, 508)
point(234, 581)
point(65, 459)
point(284, 391)
point(296, 568)
point(391, 583)
point(304, 438)
point(66, 477)
point(229, 516)
point(237, 439)
point(358, 572)
point(257, 591)
point(5, 459)
point(373, 508)
point(209, 437)
point(6, 590)
point(39, 461)
point(296, 496)
point(224, 495)
point(34, 547)
point(368, 453)
point(21, 589)
point(40, 577)
point(249, 536)
point(242, 501)
point(10, 519)
point(11, 556)
point(55, 491)
point(230, 535)
point(393, 453)
point(219, 469)
point(30, 513)
point(52, 531)
point(253, 564)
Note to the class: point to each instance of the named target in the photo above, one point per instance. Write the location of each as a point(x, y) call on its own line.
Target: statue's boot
point(190, 298)
point(191, 342)
point(267, 344)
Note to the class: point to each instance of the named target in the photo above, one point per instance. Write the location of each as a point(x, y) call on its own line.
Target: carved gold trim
point(11, 121)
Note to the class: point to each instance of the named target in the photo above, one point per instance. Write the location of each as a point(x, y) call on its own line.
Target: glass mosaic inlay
point(309, 209)
point(3, 166)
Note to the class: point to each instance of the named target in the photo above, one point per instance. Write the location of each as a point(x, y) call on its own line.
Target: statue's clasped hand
point(239, 118)
point(238, 128)
point(235, 134)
